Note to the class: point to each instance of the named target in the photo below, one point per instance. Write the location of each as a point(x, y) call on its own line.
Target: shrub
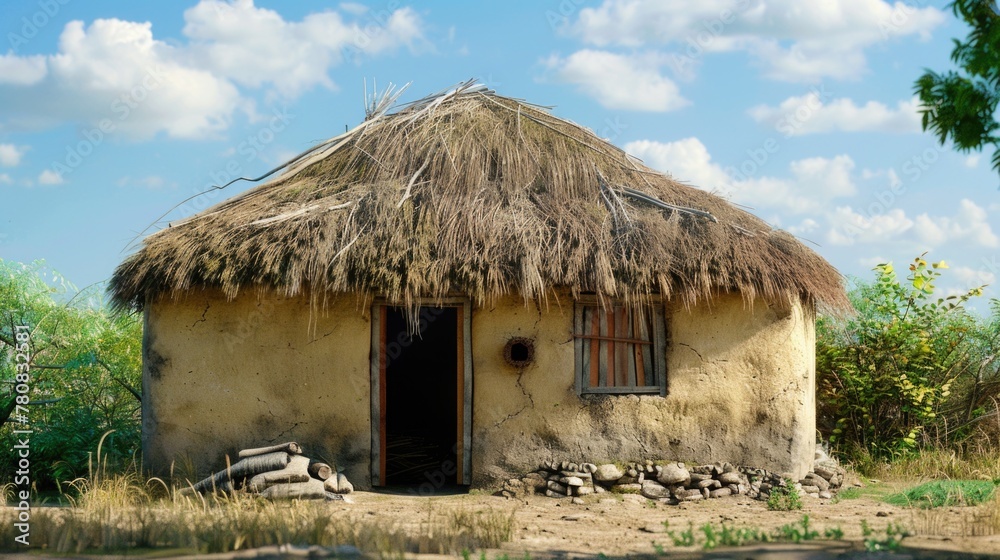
point(883, 374)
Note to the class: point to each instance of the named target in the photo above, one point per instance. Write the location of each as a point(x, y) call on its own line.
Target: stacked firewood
point(276, 472)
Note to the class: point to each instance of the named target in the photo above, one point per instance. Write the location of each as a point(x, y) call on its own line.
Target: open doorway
point(419, 372)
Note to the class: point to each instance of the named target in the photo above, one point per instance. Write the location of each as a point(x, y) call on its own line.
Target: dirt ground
point(620, 525)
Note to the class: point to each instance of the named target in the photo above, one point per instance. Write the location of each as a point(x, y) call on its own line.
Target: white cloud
point(813, 183)
point(686, 160)
point(116, 71)
point(808, 114)
point(256, 46)
point(49, 177)
point(972, 161)
point(807, 225)
point(10, 155)
point(5, 179)
point(848, 227)
point(969, 224)
point(619, 81)
point(789, 39)
point(22, 70)
point(972, 277)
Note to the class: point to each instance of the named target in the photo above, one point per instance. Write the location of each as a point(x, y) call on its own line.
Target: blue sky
point(112, 113)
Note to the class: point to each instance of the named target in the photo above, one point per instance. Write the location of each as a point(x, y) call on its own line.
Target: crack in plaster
point(203, 313)
point(691, 348)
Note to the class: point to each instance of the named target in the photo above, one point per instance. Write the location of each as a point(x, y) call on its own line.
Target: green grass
point(874, 491)
point(941, 493)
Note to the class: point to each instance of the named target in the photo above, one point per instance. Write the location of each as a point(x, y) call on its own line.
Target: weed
point(798, 532)
point(784, 498)
point(894, 535)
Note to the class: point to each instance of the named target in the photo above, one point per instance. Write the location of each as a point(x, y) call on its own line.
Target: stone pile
point(277, 472)
point(669, 482)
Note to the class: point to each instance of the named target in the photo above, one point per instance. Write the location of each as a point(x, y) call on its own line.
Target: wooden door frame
point(464, 395)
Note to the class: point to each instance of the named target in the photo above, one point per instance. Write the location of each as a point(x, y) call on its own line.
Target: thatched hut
point(466, 286)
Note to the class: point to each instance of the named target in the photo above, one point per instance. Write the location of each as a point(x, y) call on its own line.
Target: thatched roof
point(472, 193)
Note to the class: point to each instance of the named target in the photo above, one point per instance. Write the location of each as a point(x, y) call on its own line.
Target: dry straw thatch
point(468, 192)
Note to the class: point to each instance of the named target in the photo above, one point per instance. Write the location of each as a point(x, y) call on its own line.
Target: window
point(620, 349)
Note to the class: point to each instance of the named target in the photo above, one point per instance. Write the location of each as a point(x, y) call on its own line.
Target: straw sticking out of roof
point(473, 193)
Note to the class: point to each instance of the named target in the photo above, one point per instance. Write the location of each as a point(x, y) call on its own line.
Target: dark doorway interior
point(421, 378)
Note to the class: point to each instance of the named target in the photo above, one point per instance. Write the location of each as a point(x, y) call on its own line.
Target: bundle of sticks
point(276, 472)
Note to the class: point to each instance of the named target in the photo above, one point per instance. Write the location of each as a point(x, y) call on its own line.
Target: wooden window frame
point(658, 342)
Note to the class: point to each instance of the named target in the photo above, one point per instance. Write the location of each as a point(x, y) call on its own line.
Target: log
point(296, 471)
point(320, 471)
point(291, 448)
point(233, 477)
point(311, 490)
point(338, 484)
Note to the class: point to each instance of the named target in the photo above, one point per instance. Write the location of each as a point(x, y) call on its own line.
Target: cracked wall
point(740, 389)
point(221, 376)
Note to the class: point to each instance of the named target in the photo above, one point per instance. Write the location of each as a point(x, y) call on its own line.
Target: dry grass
point(120, 513)
point(935, 465)
point(482, 195)
point(243, 522)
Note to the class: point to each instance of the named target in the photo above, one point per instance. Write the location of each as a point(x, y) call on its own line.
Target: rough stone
point(571, 481)
point(710, 484)
point(556, 487)
point(720, 492)
point(674, 473)
point(633, 488)
point(578, 501)
point(584, 491)
point(608, 473)
point(552, 494)
point(825, 494)
point(589, 468)
point(813, 479)
point(578, 474)
point(809, 489)
point(654, 490)
point(730, 477)
point(698, 477)
point(825, 472)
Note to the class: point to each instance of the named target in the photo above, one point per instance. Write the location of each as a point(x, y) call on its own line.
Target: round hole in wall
point(519, 351)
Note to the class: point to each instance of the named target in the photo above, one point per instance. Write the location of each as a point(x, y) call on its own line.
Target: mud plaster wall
point(740, 389)
point(220, 376)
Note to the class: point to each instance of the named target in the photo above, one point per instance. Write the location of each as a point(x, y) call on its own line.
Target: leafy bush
point(84, 380)
point(884, 374)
